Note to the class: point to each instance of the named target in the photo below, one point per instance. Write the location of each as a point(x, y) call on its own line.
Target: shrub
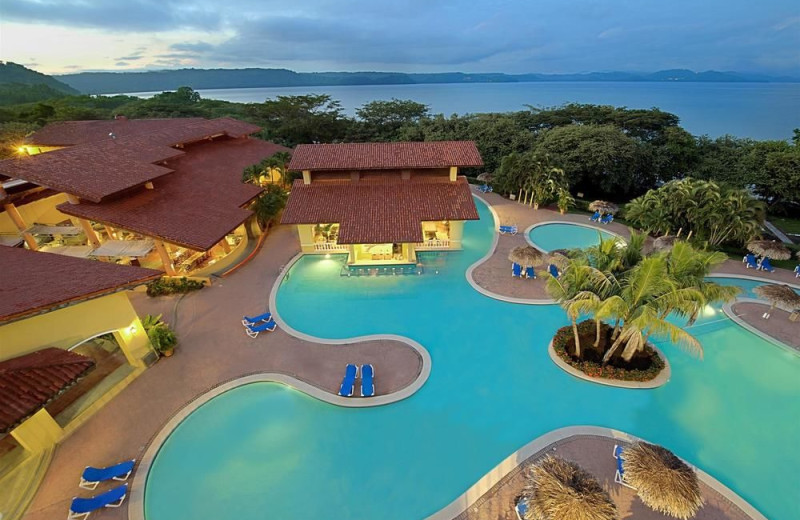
point(160, 335)
point(591, 368)
point(163, 286)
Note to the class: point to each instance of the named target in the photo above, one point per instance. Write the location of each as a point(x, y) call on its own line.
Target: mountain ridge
point(148, 81)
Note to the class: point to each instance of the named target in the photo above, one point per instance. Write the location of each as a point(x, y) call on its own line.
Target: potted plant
point(161, 336)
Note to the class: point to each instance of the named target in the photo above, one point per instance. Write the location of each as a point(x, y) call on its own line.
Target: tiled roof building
point(381, 202)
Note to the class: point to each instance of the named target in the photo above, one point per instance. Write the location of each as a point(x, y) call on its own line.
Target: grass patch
point(788, 225)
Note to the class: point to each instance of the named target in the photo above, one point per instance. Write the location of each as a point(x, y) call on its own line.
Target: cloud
point(129, 58)
point(192, 47)
point(135, 15)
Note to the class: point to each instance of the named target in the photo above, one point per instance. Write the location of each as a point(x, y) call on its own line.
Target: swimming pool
point(563, 235)
point(265, 450)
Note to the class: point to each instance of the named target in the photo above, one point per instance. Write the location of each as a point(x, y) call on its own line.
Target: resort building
point(69, 340)
point(381, 202)
point(160, 193)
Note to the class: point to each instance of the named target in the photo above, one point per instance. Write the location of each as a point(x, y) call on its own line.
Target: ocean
point(754, 110)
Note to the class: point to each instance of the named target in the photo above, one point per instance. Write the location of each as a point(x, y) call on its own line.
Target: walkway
point(494, 274)
point(777, 326)
point(212, 349)
point(592, 453)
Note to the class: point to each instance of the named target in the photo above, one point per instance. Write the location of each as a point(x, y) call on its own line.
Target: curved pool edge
point(527, 232)
point(728, 310)
point(661, 379)
point(510, 463)
point(723, 274)
point(139, 483)
point(378, 400)
point(487, 256)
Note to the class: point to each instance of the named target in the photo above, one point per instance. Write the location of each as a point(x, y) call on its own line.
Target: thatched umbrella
point(526, 256)
point(781, 296)
point(770, 249)
point(604, 207)
point(560, 260)
point(562, 490)
point(485, 177)
point(664, 243)
point(663, 481)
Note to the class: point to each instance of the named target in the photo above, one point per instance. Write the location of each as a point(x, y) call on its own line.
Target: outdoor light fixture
point(327, 255)
point(132, 329)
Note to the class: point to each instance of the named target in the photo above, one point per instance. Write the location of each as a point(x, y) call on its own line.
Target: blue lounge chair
point(247, 320)
point(521, 507)
point(485, 188)
point(608, 219)
point(349, 380)
point(93, 476)
point(516, 270)
point(750, 260)
point(367, 380)
point(508, 230)
point(553, 270)
point(619, 475)
point(765, 265)
point(529, 272)
point(595, 217)
point(81, 508)
point(797, 272)
point(253, 330)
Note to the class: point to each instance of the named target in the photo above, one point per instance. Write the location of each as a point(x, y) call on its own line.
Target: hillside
point(118, 82)
point(13, 73)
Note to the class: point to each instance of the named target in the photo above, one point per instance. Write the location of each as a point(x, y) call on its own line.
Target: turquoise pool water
point(549, 237)
point(746, 285)
point(267, 451)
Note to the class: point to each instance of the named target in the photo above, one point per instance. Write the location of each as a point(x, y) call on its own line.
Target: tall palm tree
point(577, 278)
point(645, 291)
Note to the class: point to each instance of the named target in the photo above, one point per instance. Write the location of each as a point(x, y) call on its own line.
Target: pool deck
point(494, 274)
point(777, 326)
point(213, 349)
point(594, 454)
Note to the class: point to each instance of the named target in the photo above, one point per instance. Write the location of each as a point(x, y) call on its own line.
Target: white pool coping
point(487, 256)
point(567, 223)
point(488, 481)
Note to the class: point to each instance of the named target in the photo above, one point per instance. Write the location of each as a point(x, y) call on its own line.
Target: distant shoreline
point(215, 79)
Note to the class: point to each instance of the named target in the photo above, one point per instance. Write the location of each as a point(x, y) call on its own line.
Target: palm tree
point(571, 289)
point(645, 291)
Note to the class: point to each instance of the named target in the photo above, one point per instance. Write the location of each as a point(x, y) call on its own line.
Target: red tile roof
point(33, 282)
point(385, 156)
point(69, 133)
point(194, 207)
point(29, 382)
point(382, 210)
point(104, 166)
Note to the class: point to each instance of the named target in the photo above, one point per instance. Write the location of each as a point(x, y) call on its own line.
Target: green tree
point(269, 204)
point(710, 212)
point(291, 120)
point(382, 120)
point(12, 134)
point(534, 179)
point(598, 159)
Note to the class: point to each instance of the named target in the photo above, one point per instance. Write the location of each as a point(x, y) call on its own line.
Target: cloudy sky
point(513, 36)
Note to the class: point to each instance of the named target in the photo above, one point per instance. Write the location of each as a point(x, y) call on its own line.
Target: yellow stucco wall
point(71, 325)
point(42, 211)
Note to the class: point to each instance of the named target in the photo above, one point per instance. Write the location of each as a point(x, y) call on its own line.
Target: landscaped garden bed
point(645, 365)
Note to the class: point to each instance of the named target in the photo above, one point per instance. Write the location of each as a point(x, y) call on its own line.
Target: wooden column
point(110, 232)
point(306, 176)
point(165, 259)
point(226, 247)
point(21, 225)
point(90, 234)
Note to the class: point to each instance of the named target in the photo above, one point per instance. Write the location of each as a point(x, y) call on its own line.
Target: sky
point(511, 36)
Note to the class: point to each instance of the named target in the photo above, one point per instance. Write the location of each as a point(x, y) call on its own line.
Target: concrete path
point(777, 232)
point(213, 349)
